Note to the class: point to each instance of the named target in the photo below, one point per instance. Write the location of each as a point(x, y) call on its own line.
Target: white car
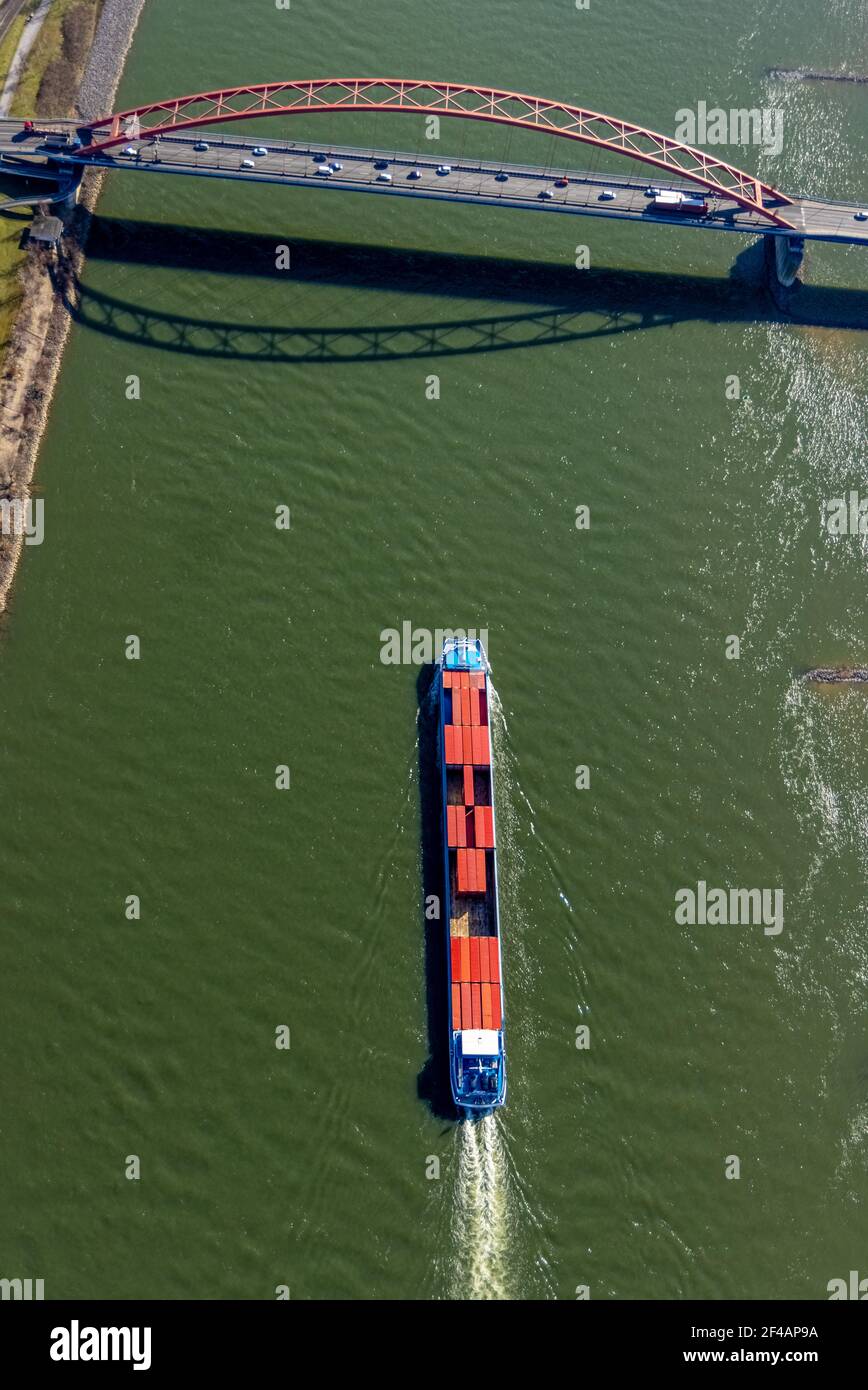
point(606, 196)
point(546, 194)
point(130, 151)
point(260, 150)
point(443, 169)
point(384, 178)
point(336, 166)
point(248, 164)
point(201, 146)
point(324, 171)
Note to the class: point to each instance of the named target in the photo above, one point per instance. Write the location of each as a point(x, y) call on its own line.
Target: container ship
point(477, 1064)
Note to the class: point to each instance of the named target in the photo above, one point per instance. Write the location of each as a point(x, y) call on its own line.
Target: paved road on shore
point(24, 49)
point(8, 15)
point(623, 195)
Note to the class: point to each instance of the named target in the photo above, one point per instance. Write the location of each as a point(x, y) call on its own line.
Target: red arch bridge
point(159, 137)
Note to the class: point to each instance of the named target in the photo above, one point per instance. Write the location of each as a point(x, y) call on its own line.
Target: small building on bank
point(45, 231)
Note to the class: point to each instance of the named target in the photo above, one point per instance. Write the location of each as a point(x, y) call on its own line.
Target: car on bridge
point(444, 169)
point(501, 177)
point(248, 164)
point(381, 163)
point(545, 194)
point(384, 178)
point(260, 150)
point(415, 174)
point(861, 216)
point(60, 140)
point(129, 151)
point(606, 196)
point(562, 183)
point(201, 147)
point(324, 171)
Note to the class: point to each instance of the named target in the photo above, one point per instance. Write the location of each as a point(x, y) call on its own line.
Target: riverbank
point(35, 347)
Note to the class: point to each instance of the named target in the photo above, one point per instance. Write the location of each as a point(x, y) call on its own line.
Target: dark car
point(381, 163)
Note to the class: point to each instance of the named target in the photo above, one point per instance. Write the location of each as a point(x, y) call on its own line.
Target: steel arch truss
point(442, 99)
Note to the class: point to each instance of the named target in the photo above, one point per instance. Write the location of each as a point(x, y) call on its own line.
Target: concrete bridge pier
point(784, 258)
point(67, 206)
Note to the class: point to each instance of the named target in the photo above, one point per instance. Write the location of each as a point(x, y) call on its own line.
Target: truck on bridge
point(688, 204)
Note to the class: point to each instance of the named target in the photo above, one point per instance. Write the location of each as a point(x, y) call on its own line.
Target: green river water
point(309, 1167)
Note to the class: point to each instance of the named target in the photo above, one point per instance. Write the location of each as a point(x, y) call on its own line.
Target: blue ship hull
point(477, 1060)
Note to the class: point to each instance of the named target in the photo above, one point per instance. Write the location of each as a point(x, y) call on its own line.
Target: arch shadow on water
point(433, 1080)
point(558, 303)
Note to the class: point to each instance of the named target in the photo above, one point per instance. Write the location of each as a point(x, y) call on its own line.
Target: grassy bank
point(50, 82)
point(10, 43)
point(47, 88)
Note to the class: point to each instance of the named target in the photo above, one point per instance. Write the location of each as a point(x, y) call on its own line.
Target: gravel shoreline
point(105, 66)
point(41, 328)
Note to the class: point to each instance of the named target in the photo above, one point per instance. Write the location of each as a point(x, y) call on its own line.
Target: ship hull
point(475, 998)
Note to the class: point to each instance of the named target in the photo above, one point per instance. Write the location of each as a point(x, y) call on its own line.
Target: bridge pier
point(67, 206)
point(784, 258)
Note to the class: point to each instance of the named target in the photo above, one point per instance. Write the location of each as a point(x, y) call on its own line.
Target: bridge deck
point(475, 181)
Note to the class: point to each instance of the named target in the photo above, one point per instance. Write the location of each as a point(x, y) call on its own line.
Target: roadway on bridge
point(525, 186)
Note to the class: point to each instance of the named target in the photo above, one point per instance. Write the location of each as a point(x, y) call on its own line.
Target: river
point(313, 1166)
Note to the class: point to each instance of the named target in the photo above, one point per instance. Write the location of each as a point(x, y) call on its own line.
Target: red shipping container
point(479, 857)
point(458, 744)
point(457, 708)
point(475, 972)
point(447, 680)
point(465, 959)
point(496, 1019)
point(449, 744)
point(467, 747)
point(477, 680)
point(461, 860)
point(476, 1005)
point(474, 707)
point(466, 1010)
point(455, 955)
point(479, 741)
point(483, 828)
point(465, 708)
point(486, 1005)
point(456, 1008)
point(468, 786)
point(450, 825)
point(490, 951)
point(494, 959)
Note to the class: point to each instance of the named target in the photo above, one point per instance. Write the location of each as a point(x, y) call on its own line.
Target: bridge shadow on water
point(559, 304)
